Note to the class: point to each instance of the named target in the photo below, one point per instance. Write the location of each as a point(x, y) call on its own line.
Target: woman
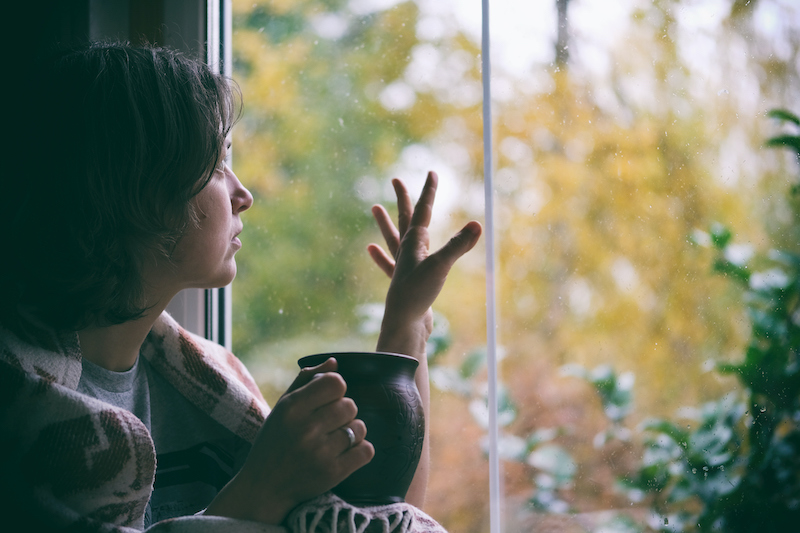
point(121, 199)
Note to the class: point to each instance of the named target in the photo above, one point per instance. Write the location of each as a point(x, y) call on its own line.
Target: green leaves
point(472, 362)
point(788, 140)
point(734, 467)
point(552, 468)
point(682, 465)
point(460, 380)
point(720, 235)
point(615, 390)
point(785, 141)
point(732, 259)
point(440, 339)
point(782, 114)
point(556, 470)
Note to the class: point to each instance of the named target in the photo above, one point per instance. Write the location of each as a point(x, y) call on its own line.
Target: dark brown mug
point(382, 386)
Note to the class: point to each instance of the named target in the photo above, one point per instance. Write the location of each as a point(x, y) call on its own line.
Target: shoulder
point(75, 455)
point(38, 350)
point(208, 375)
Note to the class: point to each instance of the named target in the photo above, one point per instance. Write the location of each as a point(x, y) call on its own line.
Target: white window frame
point(206, 312)
point(201, 28)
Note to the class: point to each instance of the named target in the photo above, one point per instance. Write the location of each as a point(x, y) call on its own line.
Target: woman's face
point(204, 256)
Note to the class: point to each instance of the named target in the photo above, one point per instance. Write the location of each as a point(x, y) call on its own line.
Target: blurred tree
point(603, 179)
point(606, 167)
point(314, 132)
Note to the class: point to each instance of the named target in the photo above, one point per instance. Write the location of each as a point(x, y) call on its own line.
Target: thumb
point(461, 243)
point(308, 373)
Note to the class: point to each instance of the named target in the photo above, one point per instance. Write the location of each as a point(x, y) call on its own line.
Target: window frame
point(205, 312)
point(200, 28)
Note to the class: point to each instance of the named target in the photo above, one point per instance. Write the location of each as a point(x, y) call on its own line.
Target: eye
point(221, 165)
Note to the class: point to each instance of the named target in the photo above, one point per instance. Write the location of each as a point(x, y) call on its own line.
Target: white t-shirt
point(195, 455)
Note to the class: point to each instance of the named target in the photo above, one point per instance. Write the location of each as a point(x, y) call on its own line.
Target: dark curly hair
point(115, 143)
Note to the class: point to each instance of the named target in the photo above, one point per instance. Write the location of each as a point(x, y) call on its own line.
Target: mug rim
point(336, 355)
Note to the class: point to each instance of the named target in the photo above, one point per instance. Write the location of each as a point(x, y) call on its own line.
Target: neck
point(116, 347)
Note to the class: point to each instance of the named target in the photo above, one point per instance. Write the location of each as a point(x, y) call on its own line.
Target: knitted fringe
point(330, 514)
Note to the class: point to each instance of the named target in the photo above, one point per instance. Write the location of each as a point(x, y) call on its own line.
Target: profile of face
point(204, 256)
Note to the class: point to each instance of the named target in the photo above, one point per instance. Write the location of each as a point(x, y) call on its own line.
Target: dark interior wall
point(146, 22)
point(32, 26)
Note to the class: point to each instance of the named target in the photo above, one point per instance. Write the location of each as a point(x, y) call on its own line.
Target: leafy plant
point(552, 468)
point(737, 467)
point(616, 395)
point(729, 465)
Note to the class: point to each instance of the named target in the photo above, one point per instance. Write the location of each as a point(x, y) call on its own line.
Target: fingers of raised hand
point(404, 206)
point(461, 243)
point(390, 233)
point(407, 217)
point(418, 285)
point(424, 207)
point(381, 259)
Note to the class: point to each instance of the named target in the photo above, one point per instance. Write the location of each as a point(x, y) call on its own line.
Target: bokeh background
point(625, 133)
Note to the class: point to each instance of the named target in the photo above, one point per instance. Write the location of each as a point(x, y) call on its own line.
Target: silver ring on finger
point(351, 436)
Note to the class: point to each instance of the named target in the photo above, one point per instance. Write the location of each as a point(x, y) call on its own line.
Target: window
point(622, 133)
point(200, 28)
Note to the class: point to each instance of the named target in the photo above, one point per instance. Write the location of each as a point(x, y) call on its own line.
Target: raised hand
point(301, 451)
point(417, 278)
point(417, 275)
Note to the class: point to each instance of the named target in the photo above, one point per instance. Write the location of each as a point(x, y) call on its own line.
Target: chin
point(226, 280)
point(220, 279)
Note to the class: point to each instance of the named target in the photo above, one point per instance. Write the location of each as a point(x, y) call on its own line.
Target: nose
point(241, 199)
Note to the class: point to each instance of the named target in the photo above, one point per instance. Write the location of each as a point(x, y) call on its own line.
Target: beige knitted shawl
point(68, 461)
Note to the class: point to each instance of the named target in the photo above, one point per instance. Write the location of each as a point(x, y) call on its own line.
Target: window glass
point(628, 145)
point(339, 98)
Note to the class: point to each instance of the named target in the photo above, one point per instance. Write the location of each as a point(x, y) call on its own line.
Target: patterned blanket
point(69, 462)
